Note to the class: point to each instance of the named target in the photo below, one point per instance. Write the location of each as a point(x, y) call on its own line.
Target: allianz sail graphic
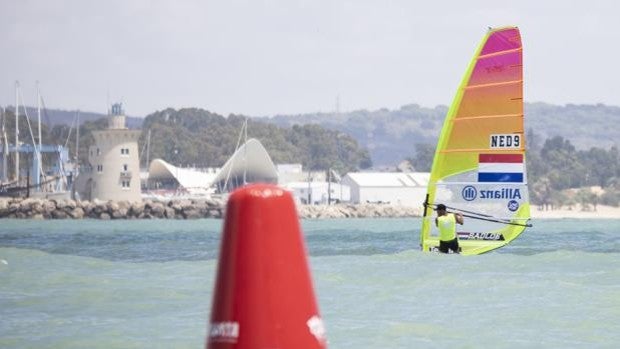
point(479, 166)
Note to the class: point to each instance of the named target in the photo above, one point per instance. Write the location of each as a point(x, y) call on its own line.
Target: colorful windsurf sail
point(479, 166)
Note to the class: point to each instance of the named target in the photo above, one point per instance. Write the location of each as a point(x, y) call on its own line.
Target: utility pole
point(309, 187)
point(148, 149)
point(329, 186)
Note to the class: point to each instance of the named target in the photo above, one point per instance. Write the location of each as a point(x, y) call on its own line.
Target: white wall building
point(288, 173)
point(317, 192)
point(396, 188)
point(311, 186)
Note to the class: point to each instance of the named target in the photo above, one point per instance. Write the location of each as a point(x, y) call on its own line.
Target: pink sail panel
point(495, 86)
point(502, 40)
point(497, 69)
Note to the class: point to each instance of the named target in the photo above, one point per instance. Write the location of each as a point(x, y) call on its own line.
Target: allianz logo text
point(470, 193)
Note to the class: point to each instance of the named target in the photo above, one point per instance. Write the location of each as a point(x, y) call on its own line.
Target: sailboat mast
point(38, 150)
point(39, 114)
point(17, 130)
point(5, 147)
point(77, 138)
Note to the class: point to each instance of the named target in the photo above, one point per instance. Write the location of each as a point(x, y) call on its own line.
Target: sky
point(287, 57)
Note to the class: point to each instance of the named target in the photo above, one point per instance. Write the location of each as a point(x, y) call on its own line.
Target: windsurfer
point(446, 222)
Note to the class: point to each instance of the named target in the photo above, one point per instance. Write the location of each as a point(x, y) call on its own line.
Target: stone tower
point(114, 161)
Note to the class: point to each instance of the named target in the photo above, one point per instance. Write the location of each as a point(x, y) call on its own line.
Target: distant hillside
point(389, 135)
point(392, 135)
point(585, 125)
point(193, 136)
point(53, 117)
point(197, 137)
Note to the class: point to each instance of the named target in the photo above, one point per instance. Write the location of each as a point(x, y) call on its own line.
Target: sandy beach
point(602, 211)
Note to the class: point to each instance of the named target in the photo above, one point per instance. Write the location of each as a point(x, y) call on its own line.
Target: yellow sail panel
point(479, 164)
point(481, 130)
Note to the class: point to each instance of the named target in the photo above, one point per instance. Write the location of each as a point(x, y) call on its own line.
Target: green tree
point(423, 158)
point(586, 197)
point(541, 192)
point(611, 197)
point(600, 165)
point(206, 139)
point(562, 162)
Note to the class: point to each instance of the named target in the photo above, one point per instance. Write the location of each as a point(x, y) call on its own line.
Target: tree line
point(196, 137)
point(560, 175)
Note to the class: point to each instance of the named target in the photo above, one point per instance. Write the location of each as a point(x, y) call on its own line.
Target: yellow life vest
point(447, 227)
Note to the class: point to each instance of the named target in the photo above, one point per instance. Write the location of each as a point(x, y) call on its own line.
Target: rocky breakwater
point(31, 208)
point(357, 211)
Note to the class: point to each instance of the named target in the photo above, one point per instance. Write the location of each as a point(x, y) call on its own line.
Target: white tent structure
point(250, 163)
point(192, 180)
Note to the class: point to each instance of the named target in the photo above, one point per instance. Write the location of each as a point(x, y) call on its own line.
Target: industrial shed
point(395, 188)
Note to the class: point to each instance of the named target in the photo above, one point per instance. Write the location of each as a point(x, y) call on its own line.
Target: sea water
point(148, 284)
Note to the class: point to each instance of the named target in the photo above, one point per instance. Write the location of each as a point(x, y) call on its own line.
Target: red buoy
point(263, 293)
